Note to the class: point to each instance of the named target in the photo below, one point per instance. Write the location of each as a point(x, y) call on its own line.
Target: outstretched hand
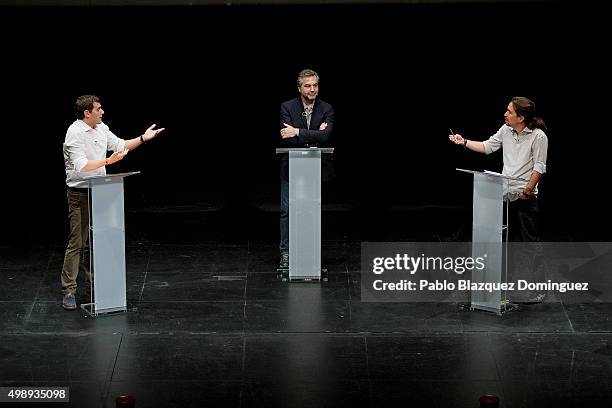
point(151, 132)
point(116, 156)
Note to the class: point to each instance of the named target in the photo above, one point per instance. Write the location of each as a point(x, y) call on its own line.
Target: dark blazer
point(292, 113)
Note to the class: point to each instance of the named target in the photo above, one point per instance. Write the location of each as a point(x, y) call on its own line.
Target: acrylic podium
point(488, 238)
point(305, 211)
point(107, 244)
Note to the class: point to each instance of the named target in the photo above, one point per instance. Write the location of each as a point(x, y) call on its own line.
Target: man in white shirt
point(86, 145)
point(525, 146)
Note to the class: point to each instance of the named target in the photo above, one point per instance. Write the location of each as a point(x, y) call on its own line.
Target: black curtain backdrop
point(398, 75)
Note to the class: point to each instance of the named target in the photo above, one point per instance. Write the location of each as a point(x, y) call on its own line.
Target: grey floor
point(210, 324)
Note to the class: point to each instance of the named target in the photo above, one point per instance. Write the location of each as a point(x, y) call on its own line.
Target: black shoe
point(284, 260)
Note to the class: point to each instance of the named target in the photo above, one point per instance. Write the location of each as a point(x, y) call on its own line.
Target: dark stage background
point(398, 75)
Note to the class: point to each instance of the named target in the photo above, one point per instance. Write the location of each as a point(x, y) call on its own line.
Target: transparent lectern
point(107, 244)
point(488, 238)
point(305, 211)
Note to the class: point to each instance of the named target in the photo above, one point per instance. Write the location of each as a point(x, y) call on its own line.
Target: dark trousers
point(77, 250)
point(527, 252)
point(523, 220)
point(284, 217)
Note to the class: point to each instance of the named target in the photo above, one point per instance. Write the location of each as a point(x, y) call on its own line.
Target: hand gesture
point(151, 132)
point(323, 126)
point(456, 138)
point(116, 156)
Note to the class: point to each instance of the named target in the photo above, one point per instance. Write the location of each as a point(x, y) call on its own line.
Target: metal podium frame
point(305, 211)
point(488, 238)
point(107, 244)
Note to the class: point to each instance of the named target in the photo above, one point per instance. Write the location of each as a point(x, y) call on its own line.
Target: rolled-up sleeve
point(75, 150)
point(113, 142)
point(494, 142)
point(540, 152)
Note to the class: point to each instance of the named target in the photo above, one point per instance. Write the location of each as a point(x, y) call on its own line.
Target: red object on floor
point(489, 401)
point(125, 401)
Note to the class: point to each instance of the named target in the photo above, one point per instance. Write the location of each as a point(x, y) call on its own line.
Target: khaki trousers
point(77, 250)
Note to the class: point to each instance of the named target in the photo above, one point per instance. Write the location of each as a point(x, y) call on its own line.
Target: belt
point(78, 190)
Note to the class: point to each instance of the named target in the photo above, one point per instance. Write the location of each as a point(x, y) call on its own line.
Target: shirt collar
point(83, 126)
point(304, 105)
point(525, 131)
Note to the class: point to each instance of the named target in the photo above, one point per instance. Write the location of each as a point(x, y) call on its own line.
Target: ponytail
point(537, 123)
point(525, 107)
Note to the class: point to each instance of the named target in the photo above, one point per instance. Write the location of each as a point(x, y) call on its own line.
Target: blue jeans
point(284, 217)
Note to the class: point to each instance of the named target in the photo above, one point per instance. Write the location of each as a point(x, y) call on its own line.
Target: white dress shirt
point(524, 153)
point(84, 143)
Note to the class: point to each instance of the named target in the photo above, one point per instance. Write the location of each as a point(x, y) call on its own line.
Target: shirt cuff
point(487, 148)
point(540, 167)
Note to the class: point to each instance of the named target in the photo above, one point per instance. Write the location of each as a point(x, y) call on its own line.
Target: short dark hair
point(306, 73)
point(83, 103)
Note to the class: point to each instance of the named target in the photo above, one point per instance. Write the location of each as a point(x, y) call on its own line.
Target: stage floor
point(210, 324)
